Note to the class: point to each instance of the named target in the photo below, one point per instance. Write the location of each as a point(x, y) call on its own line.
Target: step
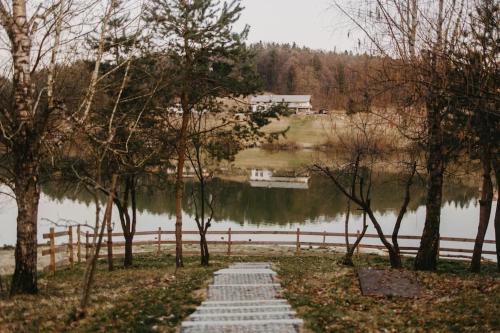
point(242, 309)
point(261, 302)
point(235, 293)
point(244, 328)
point(239, 266)
point(243, 279)
point(241, 323)
point(245, 271)
point(218, 317)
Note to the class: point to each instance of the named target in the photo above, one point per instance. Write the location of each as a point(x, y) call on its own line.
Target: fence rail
point(298, 242)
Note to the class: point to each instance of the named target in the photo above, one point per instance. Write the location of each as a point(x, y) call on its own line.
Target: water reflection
point(266, 178)
point(242, 203)
point(319, 207)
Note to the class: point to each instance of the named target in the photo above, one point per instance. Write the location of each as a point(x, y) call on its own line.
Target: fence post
point(439, 247)
point(229, 241)
point(70, 246)
point(159, 241)
point(324, 239)
point(357, 247)
point(52, 252)
point(78, 244)
point(297, 250)
point(86, 246)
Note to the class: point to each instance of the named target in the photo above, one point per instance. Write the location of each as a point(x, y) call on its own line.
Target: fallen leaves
point(328, 297)
point(151, 297)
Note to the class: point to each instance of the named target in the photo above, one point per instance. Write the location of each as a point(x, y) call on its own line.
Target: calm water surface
point(240, 206)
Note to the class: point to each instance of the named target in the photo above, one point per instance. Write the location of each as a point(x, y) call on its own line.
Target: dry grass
point(152, 297)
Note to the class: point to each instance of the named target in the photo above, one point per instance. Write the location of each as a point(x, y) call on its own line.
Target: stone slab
point(244, 328)
point(376, 282)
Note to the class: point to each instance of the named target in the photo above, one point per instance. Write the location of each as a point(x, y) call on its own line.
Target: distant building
point(298, 103)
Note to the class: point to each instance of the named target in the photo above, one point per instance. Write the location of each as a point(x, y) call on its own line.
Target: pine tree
point(208, 60)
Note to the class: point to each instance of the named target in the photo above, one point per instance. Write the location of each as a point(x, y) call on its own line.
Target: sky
point(311, 23)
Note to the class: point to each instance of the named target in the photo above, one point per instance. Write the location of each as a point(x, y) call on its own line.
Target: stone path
point(243, 298)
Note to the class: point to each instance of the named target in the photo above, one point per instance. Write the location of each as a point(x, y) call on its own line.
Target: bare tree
point(417, 37)
point(23, 128)
point(475, 88)
point(91, 265)
point(363, 151)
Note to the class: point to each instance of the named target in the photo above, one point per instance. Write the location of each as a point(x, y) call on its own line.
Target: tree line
point(336, 81)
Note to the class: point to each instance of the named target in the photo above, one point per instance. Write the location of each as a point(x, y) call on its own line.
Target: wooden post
point(70, 246)
point(229, 241)
point(439, 247)
point(297, 250)
point(52, 252)
point(78, 244)
point(86, 246)
point(159, 241)
point(324, 239)
point(357, 247)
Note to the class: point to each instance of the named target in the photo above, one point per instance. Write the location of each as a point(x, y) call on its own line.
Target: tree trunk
point(110, 245)
point(395, 258)
point(427, 255)
point(484, 214)
point(496, 167)
point(497, 228)
point(26, 150)
point(347, 260)
point(128, 261)
point(24, 279)
point(346, 228)
point(88, 278)
point(179, 185)
point(204, 250)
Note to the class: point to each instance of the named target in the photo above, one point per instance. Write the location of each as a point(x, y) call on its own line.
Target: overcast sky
point(311, 23)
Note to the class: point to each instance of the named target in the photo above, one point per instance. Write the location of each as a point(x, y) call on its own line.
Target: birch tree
point(23, 127)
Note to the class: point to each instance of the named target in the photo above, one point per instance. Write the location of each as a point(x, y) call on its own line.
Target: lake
point(319, 207)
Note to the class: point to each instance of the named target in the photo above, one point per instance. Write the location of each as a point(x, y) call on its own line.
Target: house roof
point(280, 99)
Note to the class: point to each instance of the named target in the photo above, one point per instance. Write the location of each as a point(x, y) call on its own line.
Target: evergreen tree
point(208, 60)
point(291, 80)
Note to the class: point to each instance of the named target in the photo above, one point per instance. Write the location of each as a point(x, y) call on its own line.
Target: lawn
point(152, 297)
point(281, 160)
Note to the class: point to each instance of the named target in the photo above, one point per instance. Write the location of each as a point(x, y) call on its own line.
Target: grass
point(307, 131)
point(283, 160)
point(327, 296)
point(151, 296)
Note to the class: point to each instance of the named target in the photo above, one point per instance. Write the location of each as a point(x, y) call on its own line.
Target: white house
point(294, 102)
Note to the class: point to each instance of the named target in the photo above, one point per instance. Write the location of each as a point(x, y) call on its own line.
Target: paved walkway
point(243, 298)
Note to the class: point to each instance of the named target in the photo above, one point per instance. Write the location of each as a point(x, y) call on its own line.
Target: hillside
point(333, 79)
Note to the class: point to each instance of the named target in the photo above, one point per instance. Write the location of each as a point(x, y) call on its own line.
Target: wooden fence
point(297, 241)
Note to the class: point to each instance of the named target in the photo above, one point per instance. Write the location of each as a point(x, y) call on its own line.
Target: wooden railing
point(296, 240)
point(67, 247)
